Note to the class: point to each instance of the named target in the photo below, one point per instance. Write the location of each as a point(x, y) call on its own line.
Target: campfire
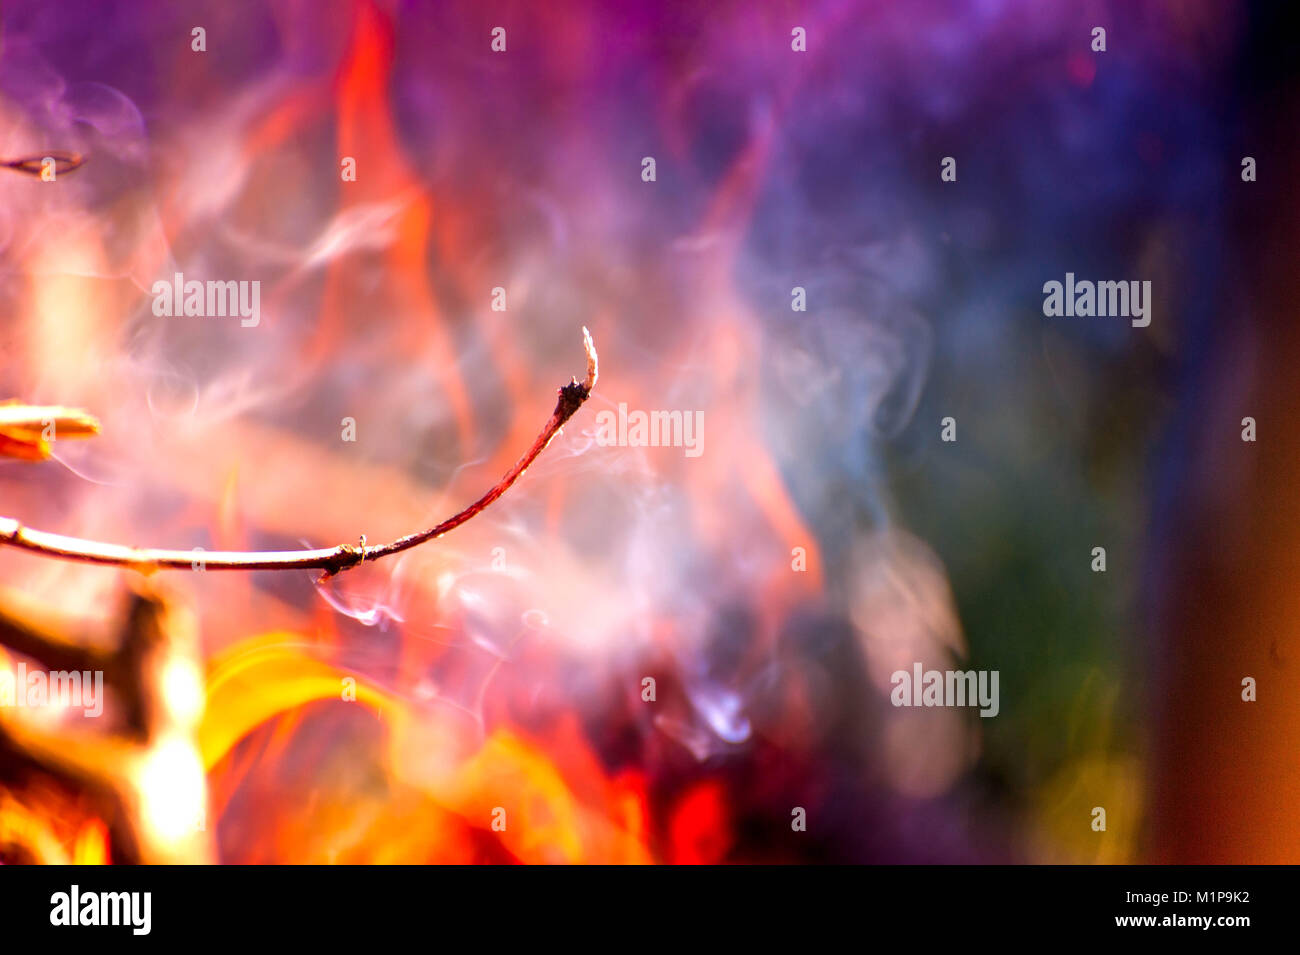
point(261, 341)
point(305, 559)
point(146, 783)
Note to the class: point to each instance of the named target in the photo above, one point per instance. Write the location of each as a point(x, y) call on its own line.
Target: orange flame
point(456, 793)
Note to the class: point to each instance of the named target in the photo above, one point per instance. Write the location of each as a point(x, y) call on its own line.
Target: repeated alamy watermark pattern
point(68, 689)
point(923, 687)
point(651, 429)
point(212, 299)
point(1084, 299)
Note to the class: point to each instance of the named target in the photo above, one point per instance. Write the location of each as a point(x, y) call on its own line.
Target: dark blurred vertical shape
point(1226, 581)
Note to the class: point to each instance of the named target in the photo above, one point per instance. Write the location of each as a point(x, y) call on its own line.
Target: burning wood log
point(26, 431)
point(146, 780)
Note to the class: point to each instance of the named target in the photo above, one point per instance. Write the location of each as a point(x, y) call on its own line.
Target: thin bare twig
point(64, 162)
point(332, 559)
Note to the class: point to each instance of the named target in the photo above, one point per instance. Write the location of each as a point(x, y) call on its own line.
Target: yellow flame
point(507, 785)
